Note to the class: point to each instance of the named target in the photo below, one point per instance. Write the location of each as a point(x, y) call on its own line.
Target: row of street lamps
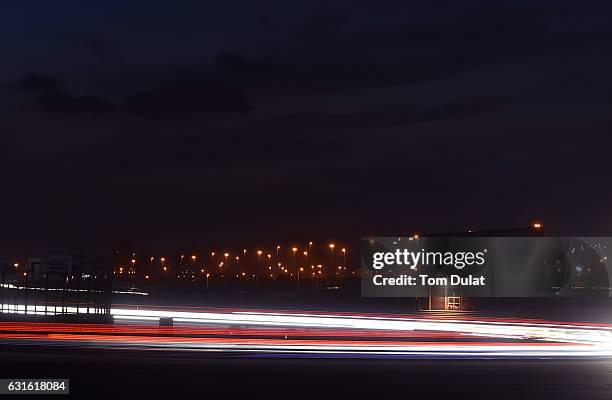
point(226, 257)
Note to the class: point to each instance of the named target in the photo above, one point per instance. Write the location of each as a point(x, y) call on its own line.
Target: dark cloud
point(60, 102)
point(36, 83)
point(95, 45)
point(189, 97)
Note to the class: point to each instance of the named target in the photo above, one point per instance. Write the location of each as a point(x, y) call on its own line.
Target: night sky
point(197, 124)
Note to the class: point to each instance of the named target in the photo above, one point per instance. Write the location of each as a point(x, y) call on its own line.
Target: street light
point(331, 249)
point(294, 250)
point(301, 269)
point(259, 253)
point(133, 272)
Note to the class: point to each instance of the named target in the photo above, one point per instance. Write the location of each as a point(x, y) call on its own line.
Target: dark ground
point(95, 373)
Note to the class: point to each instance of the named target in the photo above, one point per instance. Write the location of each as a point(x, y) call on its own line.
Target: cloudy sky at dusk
point(236, 123)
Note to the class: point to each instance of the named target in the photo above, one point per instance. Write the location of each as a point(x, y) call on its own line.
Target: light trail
point(596, 335)
point(314, 334)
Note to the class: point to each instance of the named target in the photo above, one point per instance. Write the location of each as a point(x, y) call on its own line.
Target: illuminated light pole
point(221, 269)
point(207, 276)
point(133, 273)
point(193, 260)
point(226, 255)
point(277, 249)
point(259, 253)
point(301, 269)
point(294, 250)
point(306, 258)
point(331, 250)
point(343, 267)
point(212, 258)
